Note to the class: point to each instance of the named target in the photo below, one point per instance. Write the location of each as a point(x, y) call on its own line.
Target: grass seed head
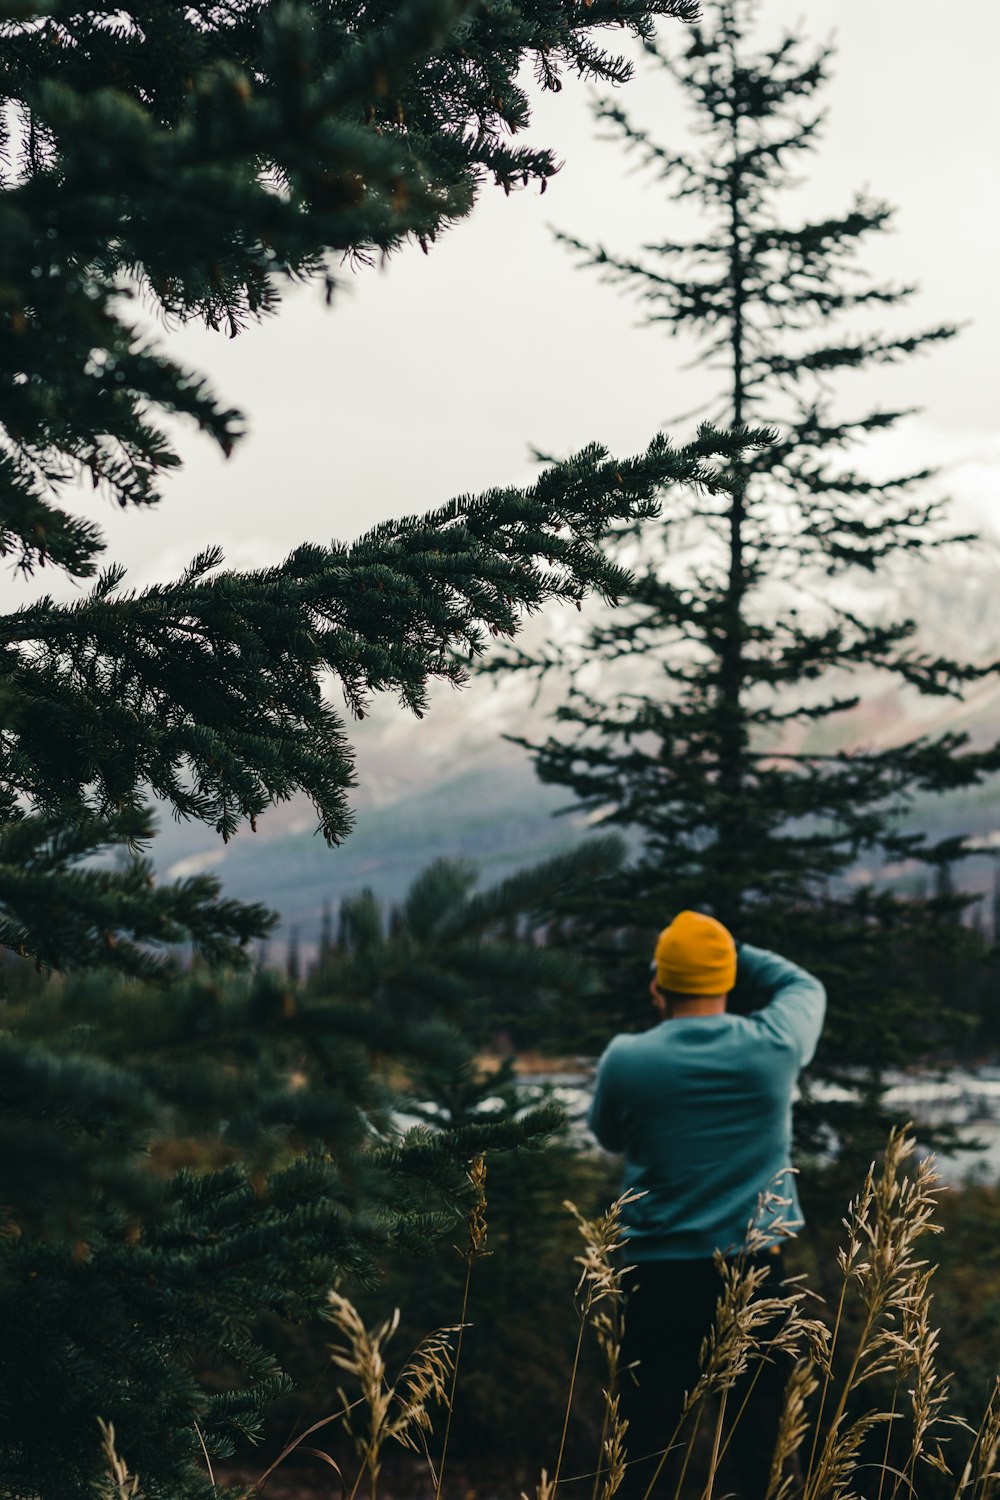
point(981, 1473)
point(793, 1426)
point(397, 1412)
point(614, 1447)
point(544, 1490)
point(422, 1384)
point(475, 1222)
point(118, 1483)
point(603, 1237)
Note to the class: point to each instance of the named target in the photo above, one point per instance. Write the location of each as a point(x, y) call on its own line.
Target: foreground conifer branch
point(209, 692)
point(210, 155)
point(180, 1161)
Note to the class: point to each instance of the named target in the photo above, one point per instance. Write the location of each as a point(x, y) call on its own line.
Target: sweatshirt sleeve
point(796, 1005)
point(603, 1117)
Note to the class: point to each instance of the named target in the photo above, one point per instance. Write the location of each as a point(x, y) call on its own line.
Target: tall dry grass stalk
point(792, 1429)
point(886, 1298)
point(598, 1299)
point(476, 1228)
point(979, 1477)
point(401, 1411)
point(393, 1412)
point(880, 1265)
point(882, 1273)
point(118, 1483)
point(749, 1327)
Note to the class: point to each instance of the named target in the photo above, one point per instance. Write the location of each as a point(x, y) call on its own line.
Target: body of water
point(968, 1098)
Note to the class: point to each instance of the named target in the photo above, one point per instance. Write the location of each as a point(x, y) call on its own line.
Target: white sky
point(431, 377)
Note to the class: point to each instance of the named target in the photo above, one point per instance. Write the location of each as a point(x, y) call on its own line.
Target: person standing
point(700, 1106)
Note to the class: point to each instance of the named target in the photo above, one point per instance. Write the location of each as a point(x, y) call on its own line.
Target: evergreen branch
point(207, 690)
point(224, 154)
point(847, 356)
point(61, 912)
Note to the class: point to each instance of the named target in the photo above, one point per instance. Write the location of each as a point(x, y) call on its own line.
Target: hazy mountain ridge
point(451, 785)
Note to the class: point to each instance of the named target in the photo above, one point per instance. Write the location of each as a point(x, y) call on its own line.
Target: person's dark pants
point(669, 1309)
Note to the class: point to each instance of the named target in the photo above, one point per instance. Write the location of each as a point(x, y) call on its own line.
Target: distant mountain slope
point(496, 814)
point(482, 802)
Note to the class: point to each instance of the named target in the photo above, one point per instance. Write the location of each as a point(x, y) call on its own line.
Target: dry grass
point(831, 1412)
point(399, 1412)
point(118, 1483)
point(599, 1305)
point(826, 1412)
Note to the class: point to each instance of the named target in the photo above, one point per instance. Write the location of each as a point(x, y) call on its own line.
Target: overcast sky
point(433, 376)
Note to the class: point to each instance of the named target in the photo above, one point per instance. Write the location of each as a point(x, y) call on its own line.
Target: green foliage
point(518, 1347)
point(208, 691)
point(465, 955)
point(210, 155)
point(219, 1152)
point(136, 1292)
point(197, 159)
point(62, 907)
point(449, 950)
point(724, 742)
point(967, 1291)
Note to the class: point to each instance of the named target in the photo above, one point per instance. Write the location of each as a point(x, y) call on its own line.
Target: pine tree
point(325, 935)
point(293, 958)
point(718, 729)
point(462, 954)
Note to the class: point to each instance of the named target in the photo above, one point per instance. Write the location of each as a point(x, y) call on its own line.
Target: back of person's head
point(695, 955)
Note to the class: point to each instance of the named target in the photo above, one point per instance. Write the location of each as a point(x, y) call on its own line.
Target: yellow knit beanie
point(696, 955)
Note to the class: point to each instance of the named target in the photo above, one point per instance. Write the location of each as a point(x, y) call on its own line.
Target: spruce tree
point(427, 954)
point(181, 1164)
point(717, 727)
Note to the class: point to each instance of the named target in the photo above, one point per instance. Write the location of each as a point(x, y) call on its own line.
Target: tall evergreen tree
point(716, 728)
point(426, 955)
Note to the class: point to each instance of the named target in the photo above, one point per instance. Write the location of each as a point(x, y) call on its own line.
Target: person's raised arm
point(796, 1000)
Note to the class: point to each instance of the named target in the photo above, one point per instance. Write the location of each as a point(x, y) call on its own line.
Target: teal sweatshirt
point(701, 1106)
